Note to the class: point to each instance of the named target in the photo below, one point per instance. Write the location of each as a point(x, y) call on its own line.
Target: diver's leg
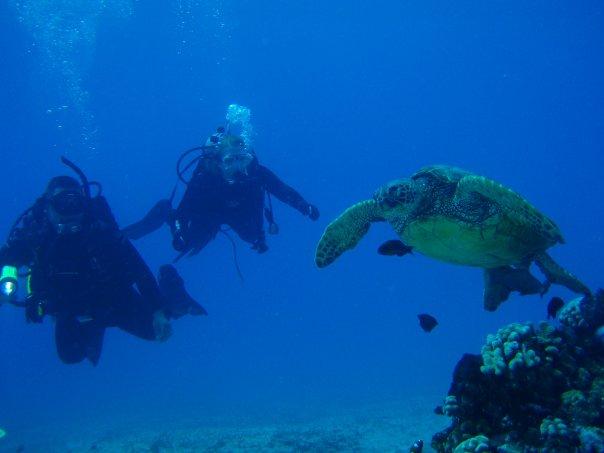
point(70, 347)
point(77, 341)
point(501, 281)
point(557, 274)
point(250, 229)
point(93, 335)
point(158, 215)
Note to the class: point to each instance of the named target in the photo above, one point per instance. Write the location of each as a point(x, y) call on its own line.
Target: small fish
point(438, 410)
point(427, 322)
point(553, 307)
point(394, 247)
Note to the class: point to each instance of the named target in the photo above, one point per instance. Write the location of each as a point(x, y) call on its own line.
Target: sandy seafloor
point(391, 427)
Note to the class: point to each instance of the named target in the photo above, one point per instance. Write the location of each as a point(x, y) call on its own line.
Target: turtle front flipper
point(346, 231)
point(558, 275)
point(500, 282)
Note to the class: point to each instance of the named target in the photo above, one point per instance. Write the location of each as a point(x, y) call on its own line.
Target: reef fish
point(427, 322)
point(394, 247)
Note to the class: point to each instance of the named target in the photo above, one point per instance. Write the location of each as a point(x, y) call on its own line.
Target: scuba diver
point(228, 187)
point(81, 270)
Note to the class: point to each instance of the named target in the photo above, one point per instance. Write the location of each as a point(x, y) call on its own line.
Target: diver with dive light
point(81, 270)
point(228, 187)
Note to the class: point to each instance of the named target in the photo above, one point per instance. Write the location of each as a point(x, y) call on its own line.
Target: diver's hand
point(161, 326)
point(260, 246)
point(178, 241)
point(35, 309)
point(313, 212)
point(178, 244)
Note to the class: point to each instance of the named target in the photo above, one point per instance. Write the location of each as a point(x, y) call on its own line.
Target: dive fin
point(178, 302)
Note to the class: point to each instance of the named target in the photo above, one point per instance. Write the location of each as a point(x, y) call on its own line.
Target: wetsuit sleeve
point(159, 214)
point(282, 191)
point(141, 275)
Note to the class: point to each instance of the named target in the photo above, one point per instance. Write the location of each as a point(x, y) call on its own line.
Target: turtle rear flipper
point(346, 231)
point(500, 282)
point(558, 275)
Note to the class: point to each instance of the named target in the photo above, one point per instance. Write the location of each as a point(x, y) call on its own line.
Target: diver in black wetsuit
point(228, 187)
point(83, 272)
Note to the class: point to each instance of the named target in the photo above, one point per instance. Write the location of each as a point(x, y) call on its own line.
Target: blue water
point(344, 96)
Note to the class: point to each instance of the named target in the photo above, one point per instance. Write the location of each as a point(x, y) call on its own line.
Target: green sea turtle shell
point(470, 220)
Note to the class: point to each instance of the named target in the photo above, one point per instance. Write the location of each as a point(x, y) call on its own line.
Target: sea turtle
point(458, 217)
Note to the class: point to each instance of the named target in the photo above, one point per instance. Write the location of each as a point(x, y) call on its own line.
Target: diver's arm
point(284, 193)
point(19, 248)
point(159, 214)
point(152, 221)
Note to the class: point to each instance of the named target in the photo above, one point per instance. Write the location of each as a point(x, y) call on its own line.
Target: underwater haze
point(345, 96)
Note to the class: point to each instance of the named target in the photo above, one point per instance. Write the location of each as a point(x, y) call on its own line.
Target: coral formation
point(478, 444)
point(533, 388)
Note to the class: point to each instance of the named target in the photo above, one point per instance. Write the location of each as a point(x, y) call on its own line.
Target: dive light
point(8, 281)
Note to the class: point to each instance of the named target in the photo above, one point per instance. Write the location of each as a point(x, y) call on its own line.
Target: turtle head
point(399, 194)
point(397, 200)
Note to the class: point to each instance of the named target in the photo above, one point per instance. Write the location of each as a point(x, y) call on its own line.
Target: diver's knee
point(70, 356)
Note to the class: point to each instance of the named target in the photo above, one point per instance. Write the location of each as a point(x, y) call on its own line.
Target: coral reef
point(476, 444)
point(533, 388)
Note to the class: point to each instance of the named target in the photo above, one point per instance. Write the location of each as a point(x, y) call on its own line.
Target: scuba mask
point(234, 157)
point(66, 205)
point(67, 202)
point(233, 164)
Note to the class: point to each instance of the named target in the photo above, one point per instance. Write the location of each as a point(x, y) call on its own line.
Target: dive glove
point(178, 241)
point(35, 309)
point(161, 326)
point(312, 212)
